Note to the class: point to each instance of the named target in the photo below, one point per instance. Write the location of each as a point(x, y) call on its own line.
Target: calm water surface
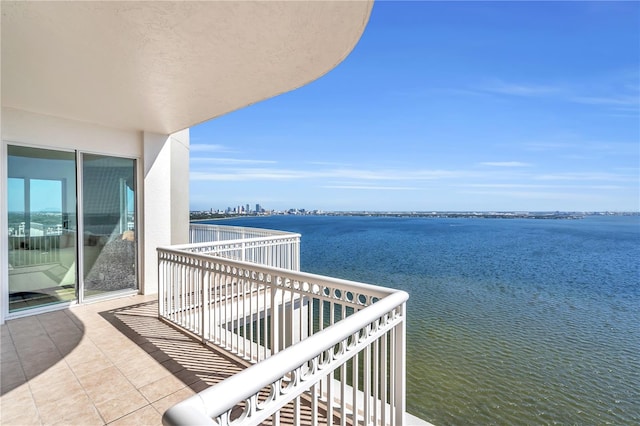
point(510, 321)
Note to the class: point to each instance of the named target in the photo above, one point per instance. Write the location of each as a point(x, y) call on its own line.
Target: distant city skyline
point(447, 106)
point(247, 209)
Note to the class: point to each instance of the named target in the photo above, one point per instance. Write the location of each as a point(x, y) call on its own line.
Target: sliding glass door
point(41, 199)
point(54, 256)
point(108, 224)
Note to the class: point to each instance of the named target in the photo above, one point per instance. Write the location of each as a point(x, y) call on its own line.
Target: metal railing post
point(161, 284)
point(204, 301)
point(400, 368)
point(275, 320)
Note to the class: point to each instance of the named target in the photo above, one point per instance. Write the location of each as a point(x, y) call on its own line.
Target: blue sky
point(447, 106)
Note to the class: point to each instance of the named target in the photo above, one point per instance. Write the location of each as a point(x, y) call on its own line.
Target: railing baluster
point(314, 405)
point(265, 318)
point(400, 368)
point(321, 315)
point(258, 328)
point(225, 319)
point(296, 411)
point(193, 296)
point(330, 401)
point(204, 306)
point(383, 386)
point(236, 315)
point(367, 385)
point(180, 283)
point(282, 313)
point(250, 335)
point(216, 306)
point(354, 384)
point(343, 394)
point(376, 380)
point(243, 317)
point(161, 285)
point(275, 345)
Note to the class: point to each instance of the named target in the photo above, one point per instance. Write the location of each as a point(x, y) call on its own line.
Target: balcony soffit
point(166, 66)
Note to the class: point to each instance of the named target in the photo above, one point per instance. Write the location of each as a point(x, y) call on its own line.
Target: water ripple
point(510, 322)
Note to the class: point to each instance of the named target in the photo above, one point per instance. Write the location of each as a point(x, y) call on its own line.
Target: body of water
point(510, 321)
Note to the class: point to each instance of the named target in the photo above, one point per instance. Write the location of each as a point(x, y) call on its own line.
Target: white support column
point(164, 212)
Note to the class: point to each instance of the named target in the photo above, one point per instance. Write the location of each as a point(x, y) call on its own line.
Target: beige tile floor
point(110, 363)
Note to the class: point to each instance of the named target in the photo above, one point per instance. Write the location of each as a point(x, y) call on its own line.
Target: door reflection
point(109, 211)
point(41, 190)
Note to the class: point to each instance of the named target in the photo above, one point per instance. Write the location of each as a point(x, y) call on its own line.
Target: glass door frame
point(80, 290)
point(4, 232)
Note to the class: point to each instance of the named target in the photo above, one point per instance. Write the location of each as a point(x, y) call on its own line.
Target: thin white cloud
point(528, 90)
point(251, 174)
point(581, 148)
point(621, 101)
point(586, 176)
point(395, 174)
point(544, 195)
point(208, 148)
point(375, 188)
point(548, 146)
point(228, 161)
point(245, 174)
point(539, 186)
point(328, 164)
point(505, 164)
point(611, 93)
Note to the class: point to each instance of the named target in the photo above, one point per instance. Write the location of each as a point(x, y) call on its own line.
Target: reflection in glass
point(108, 241)
point(41, 189)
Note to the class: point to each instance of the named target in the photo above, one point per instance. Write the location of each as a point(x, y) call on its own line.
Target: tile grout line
point(64, 359)
point(124, 375)
point(98, 347)
point(27, 379)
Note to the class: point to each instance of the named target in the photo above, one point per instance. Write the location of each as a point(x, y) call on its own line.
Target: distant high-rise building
point(258, 208)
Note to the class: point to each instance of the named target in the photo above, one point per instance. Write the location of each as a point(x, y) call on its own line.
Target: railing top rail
point(373, 290)
point(198, 409)
point(236, 240)
point(232, 228)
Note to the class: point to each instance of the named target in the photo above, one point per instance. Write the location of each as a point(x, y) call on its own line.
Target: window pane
point(42, 231)
point(109, 246)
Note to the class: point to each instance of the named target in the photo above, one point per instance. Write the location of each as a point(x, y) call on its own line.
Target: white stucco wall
point(51, 132)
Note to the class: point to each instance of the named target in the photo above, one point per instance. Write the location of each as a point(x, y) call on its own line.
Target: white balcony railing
point(262, 246)
point(325, 350)
point(202, 233)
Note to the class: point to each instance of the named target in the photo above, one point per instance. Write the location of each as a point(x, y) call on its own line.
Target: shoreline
point(198, 216)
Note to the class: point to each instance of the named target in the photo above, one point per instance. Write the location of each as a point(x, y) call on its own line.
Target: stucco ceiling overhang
point(166, 66)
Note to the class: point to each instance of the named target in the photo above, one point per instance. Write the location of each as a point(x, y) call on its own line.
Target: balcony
point(237, 335)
